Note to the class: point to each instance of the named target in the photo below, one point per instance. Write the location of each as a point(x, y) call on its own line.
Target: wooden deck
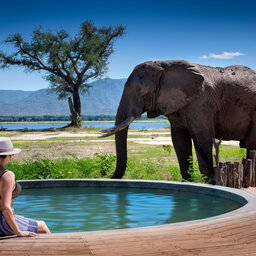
point(230, 235)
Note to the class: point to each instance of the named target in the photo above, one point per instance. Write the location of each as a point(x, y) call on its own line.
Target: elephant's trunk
point(127, 112)
point(120, 131)
point(122, 123)
point(121, 153)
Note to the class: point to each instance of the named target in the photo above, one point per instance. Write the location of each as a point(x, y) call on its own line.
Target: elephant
point(200, 102)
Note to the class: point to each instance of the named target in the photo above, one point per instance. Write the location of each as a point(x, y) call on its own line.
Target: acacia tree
point(69, 62)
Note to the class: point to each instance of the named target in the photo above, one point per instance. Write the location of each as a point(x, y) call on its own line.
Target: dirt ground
point(55, 144)
point(158, 140)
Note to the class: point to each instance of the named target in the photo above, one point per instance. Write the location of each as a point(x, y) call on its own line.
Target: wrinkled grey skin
point(201, 103)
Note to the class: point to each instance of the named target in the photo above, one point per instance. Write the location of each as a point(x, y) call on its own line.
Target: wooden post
point(220, 175)
point(230, 174)
point(216, 174)
point(223, 174)
point(241, 175)
point(247, 172)
point(252, 156)
point(238, 175)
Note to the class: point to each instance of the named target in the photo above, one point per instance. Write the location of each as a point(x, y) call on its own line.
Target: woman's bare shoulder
point(9, 175)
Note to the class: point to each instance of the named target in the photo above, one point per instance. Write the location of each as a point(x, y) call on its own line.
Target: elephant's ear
point(180, 84)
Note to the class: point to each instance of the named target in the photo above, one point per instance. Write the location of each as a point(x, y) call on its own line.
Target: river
point(38, 126)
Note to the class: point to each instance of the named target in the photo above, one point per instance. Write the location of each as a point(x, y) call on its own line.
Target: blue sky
point(209, 32)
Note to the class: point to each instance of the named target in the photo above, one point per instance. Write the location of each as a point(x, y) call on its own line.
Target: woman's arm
point(8, 184)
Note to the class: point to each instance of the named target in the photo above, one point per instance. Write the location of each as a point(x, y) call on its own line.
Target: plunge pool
point(76, 208)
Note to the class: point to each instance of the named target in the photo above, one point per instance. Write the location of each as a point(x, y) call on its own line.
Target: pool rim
point(246, 199)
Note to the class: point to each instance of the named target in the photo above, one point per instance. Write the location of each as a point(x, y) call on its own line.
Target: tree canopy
point(69, 61)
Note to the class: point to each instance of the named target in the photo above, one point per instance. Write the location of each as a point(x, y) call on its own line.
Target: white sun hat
point(6, 147)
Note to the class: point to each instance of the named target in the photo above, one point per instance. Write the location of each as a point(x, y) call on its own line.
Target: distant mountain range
point(103, 99)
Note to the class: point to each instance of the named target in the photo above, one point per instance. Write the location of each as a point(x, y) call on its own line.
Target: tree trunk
point(75, 109)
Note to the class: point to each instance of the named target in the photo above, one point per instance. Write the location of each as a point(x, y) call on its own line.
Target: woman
point(10, 223)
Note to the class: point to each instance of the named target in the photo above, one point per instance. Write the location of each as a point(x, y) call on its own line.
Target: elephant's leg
point(200, 121)
point(203, 145)
point(250, 141)
point(183, 146)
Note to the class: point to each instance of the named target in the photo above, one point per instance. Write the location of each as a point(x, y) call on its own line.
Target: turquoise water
point(90, 209)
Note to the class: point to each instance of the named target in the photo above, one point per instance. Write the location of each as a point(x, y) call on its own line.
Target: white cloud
point(223, 56)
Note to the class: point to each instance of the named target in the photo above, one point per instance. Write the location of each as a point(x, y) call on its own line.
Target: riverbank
point(152, 137)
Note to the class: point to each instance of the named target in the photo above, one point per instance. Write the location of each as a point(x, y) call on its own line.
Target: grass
point(154, 163)
point(99, 166)
point(79, 157)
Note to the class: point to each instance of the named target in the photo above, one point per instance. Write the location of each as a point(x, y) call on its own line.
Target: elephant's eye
point(138, 89)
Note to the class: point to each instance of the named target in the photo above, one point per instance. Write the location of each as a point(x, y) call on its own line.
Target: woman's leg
point(42, 227)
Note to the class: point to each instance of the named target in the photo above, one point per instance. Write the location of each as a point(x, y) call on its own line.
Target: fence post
point(252, 156)
point(230, 174)
point(247, 172)
point(238, 175)
point(220, 174)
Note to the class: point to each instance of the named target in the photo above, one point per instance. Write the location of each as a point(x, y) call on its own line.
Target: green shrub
point(194, 172)
point(100, 166)
point(105, 164)
point(167, 148)
point(36, 169)
point(151, 170)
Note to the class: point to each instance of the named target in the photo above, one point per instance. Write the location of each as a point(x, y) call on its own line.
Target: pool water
point(91, 209)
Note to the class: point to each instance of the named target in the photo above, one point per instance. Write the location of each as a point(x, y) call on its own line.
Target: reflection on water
point(87, 209)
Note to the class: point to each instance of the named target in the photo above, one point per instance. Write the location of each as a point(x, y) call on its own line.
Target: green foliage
point(194, 172)
point(242, 152)
point(105, 164)
point(167, 148)
point(151, 170)
point(36, 169)
point(231, 153)
point(68, 59)
point(100, 166)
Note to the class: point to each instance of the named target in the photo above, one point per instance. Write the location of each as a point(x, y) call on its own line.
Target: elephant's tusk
point(117, 128)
